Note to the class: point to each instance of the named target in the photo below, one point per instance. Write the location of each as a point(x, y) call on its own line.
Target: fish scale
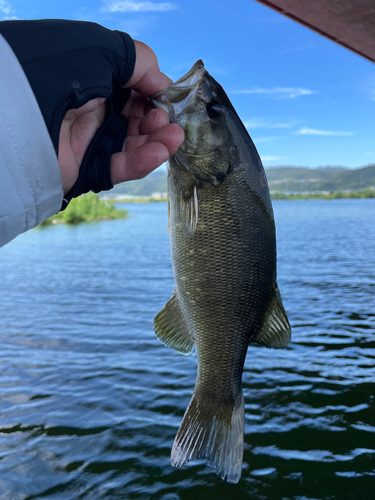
point(223, 248)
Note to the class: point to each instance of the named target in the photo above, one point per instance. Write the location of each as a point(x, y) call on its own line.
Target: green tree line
point(336, 195)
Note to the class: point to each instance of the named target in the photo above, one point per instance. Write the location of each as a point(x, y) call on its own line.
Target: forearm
point(30, 180)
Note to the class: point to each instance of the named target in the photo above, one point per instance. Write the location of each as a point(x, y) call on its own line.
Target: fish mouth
point(194, 74)
point(176, 97)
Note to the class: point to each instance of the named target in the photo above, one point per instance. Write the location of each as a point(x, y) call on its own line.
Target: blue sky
point(305, 100)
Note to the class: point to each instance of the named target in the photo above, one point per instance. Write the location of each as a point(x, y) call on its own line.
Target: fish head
point(201, 107)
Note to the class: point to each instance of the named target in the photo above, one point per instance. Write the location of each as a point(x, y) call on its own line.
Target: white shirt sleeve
point(30, 180)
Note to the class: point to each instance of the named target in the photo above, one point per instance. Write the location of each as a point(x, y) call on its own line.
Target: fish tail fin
point(212, 432)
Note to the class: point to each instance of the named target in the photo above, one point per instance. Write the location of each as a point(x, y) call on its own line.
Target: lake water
point(90, 401)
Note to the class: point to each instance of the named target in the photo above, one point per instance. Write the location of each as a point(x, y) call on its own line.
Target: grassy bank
point(143, 199)
point(337, 195)
point(87, 208)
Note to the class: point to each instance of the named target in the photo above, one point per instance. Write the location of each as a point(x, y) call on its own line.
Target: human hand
point(82, 75)
point(150, 140)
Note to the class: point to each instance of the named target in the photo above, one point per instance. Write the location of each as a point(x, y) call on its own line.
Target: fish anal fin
point(189, 212)
point(170, 327)
point(275, 330)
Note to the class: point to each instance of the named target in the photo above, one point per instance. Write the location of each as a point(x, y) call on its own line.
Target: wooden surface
point(351, 23)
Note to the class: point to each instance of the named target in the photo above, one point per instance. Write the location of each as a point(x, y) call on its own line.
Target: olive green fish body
point(224, 273)
point(224, 260)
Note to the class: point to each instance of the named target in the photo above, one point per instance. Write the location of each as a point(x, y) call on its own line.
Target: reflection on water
point(91, 401)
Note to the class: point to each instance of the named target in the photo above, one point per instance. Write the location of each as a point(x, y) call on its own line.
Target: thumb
point(147, 79)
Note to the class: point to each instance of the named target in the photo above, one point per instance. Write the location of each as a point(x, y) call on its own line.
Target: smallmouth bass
point(223, 248)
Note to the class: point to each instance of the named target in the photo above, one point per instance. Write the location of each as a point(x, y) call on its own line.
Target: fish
point(223, 249)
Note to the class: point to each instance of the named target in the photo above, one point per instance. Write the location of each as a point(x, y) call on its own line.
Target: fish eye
point(214, 109)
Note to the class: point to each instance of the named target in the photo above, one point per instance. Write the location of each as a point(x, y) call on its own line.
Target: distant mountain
point(156, 182)
point(281, 178)
point(289, 172)
point(302, 179)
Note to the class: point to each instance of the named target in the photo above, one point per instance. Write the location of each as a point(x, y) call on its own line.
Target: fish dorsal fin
point(275, 330)
point(170, 327)
point(189, 213)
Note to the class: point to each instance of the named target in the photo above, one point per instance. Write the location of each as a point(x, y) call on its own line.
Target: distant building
point(159, 196)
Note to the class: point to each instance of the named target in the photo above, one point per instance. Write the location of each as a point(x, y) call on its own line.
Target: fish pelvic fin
point(212, 432)
point(171, 329)
point(189, 213)
point(275, 330)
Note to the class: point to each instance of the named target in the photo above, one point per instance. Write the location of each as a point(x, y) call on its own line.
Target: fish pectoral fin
point(275, 330)
point(189, 213)
point(170, 327)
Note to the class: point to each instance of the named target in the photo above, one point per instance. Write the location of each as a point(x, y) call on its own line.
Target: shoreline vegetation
point(141, 199)
point(91, 208)
point(87, 208)
point(275, 195)
point(334, 195)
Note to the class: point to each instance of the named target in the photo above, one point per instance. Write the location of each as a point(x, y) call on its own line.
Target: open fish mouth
point(194, 75)
point(176, 98)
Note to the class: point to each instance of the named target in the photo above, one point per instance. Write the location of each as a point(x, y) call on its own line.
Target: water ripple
point(90, 400)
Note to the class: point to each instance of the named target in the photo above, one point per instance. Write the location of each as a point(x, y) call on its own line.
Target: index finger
point(147, 79)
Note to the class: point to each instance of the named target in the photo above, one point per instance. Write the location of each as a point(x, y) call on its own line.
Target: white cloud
point(6, 11)
point(260, 123)
point(5, 8)
point(263, 139)
point(132, 6)
point(313, 131)
point(271, 158)
point(277, 92)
